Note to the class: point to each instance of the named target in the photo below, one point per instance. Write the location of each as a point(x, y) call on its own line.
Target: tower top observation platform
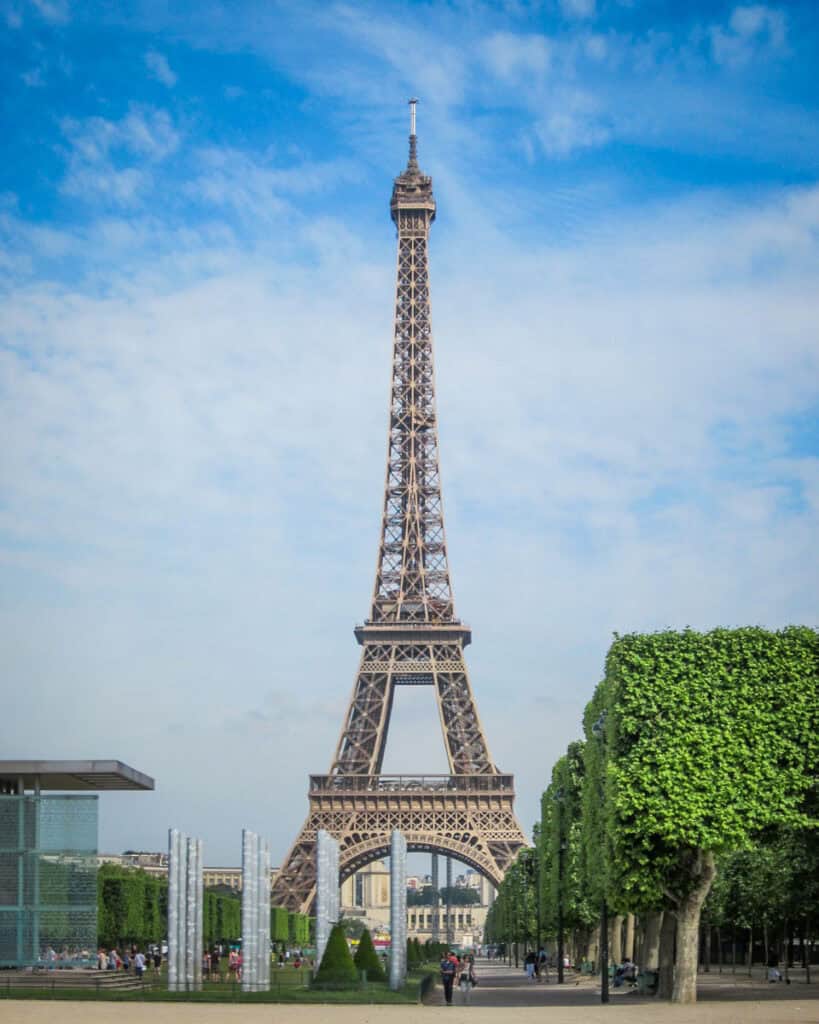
point(412, 189)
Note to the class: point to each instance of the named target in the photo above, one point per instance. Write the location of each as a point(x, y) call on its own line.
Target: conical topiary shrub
point(337, 969)
point(419, 953)
point(366, 958)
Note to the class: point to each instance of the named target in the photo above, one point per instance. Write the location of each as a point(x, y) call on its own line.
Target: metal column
point(398, 910)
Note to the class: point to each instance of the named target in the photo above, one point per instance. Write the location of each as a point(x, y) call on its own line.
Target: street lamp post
point(598, 731)
point(560, 945)
point(559, 796)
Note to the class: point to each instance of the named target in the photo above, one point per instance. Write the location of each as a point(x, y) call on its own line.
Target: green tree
point(366, 958)
point(279, 924)
point(337, 969)
point(709, 740)
point(354, 927)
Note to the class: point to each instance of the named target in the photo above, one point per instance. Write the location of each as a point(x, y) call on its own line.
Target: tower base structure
point(468, 817)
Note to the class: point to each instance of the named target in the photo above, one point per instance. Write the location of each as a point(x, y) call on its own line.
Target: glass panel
point(58, 920)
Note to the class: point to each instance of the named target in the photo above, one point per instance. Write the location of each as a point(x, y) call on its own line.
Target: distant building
point(366, 895)
point(157, 864)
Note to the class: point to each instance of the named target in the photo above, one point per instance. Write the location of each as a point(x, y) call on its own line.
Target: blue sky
point(197, 279)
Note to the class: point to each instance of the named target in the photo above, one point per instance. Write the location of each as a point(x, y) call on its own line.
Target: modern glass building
point(48, 858)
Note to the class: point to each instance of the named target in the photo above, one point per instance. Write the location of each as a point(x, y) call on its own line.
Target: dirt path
point(503, 996)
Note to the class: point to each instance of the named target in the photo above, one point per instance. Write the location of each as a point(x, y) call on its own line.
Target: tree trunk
point(616, 940)
point(593, 948)
point(628, 951)
point(719, 948)
point(733, 949)
point(665, 959)
point(706, 949)
point(688, 928)
point(639, 940)
point(765, 944)
point(651, 944)
point(751, 951)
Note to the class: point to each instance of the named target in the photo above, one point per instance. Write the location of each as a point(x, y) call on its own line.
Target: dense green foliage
point(336, 969)
point(455, 895)
point(700, 757)
point(366, 958)
point(133, 909)
point(279, 925)
point(299, 926)
point(710, 738)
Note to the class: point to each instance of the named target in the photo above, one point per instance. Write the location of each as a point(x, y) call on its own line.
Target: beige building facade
point(366, 895)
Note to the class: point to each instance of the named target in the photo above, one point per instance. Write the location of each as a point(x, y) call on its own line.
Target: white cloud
point(56, 11)
point(509, 55)
point(34, 78)
point(111, 160)
point(596, 47)
point(578, 8)
point(751, 31)
point(160, 69)
point(570, 122)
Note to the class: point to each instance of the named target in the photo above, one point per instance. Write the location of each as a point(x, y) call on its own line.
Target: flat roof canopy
point(65, 775)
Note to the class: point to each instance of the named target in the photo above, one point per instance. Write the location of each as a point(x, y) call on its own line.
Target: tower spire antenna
point(412, 163)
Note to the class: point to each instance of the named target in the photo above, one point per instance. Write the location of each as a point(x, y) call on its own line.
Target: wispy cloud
point(55, 11)
point(160, 69)
point(34, 78)
point(112, 159)
point(751, 32)
point(578, 8)
point(508, 54)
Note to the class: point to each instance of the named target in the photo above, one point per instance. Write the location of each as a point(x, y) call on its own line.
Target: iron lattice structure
point(412, 637)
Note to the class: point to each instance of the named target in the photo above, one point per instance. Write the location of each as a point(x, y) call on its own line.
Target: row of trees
point(454, 895)
point(698, 763)
point(133, 909)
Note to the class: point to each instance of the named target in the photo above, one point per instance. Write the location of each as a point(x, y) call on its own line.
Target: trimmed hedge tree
point(366, 958)
point(337, 969)
point(709, 740)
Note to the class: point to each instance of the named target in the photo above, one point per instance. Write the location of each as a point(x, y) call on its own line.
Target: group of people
point(111, 960)
point(460, 973)
point(536, 965)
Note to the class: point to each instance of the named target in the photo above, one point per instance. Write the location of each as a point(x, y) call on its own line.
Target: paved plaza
point(504, 996)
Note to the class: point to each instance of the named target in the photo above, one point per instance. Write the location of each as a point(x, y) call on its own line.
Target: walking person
point(529, 963)
point(448, 970)
point(467, 980)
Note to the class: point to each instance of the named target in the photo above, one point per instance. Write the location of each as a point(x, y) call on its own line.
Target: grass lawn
point(286, 986)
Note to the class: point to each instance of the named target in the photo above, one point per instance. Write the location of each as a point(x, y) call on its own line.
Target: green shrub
point(337, 969)
point(366, 958)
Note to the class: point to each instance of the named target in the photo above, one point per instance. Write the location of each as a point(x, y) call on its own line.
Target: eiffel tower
point(412, 637)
